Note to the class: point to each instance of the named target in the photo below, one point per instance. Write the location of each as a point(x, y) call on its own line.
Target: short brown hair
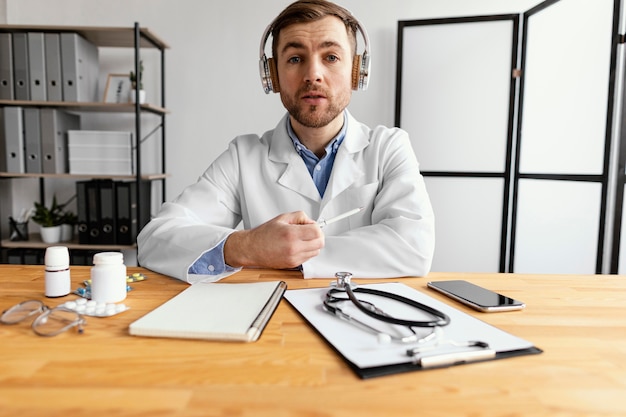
point(304, 11)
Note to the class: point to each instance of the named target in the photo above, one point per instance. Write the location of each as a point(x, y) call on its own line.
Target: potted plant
point(49, 220)
point(56, 223)
point(136, 81)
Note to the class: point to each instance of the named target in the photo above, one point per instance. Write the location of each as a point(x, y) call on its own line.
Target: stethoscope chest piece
point(343, 281)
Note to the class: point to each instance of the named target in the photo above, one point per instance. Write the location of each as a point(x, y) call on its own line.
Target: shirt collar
point(332, 146)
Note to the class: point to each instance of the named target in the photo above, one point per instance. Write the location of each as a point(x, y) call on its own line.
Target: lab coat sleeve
point(197, 221)
point(401, 238)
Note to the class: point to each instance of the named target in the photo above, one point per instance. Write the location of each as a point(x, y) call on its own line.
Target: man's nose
point(313, 71)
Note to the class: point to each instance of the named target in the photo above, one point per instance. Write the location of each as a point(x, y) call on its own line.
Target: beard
point(313, 116)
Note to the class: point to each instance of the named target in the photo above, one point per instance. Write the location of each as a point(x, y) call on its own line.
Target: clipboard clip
point(456, 358)
point(452, 358)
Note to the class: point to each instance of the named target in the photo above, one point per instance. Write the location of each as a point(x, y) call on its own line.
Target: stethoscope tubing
point(442, 318)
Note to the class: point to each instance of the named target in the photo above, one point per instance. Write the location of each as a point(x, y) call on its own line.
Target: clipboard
point(370, 357)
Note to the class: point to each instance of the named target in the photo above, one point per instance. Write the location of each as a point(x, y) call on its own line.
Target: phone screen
point(475, 296)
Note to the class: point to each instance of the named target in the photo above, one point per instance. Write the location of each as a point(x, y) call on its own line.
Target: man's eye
point(333, 58)
point(294, 60)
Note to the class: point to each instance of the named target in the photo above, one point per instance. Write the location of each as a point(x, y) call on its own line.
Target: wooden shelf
point(87, 106)
point(122, 37)
point(146, 177)
point(34, 242)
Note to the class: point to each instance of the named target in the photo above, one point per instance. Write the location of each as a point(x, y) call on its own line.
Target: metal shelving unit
point(134, 37)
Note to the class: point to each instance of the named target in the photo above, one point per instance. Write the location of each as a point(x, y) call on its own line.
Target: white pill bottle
point(57, 274)
point(108, 277)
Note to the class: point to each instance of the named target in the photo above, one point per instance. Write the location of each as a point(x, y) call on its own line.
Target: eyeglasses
point(48, 322)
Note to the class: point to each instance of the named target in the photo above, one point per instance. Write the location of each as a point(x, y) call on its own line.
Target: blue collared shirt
point(320, 169)
point(212, 262)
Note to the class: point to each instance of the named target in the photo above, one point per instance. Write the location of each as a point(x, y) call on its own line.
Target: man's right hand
point(286, 241)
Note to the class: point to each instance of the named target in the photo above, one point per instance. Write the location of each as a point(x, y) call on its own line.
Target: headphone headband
point(264, 69)
point(360, 69)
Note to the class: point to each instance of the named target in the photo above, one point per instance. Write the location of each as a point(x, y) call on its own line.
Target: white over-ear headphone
point(360, 65)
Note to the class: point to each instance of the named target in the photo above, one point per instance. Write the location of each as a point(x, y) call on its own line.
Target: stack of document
point(48, 67)
point(100, 152)
point(108, 213)
point(34, 140)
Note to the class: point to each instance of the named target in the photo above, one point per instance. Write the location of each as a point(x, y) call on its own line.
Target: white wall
point(213, 88)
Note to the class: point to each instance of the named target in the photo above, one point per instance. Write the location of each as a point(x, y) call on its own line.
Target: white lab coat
point(257, 179)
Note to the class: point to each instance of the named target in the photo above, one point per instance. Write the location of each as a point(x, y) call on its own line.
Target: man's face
point(314, 63)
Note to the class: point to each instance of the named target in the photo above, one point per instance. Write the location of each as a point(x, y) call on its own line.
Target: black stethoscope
point(344, 286)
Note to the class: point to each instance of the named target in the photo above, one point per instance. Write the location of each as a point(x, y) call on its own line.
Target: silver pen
point(323, 222)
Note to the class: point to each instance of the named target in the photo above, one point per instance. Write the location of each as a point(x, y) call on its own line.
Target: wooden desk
point(579, 321)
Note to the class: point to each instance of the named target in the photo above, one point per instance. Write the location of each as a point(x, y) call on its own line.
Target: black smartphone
point(477, 297)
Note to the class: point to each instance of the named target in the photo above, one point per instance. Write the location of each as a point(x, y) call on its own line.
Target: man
point(318, 162)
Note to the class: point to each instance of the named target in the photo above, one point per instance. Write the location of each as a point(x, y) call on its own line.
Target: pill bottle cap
point(57, 256)
point(108, 258)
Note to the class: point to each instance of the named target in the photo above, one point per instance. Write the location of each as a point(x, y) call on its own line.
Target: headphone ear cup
point(273, 75)
point(360, 72)
point(356, 71)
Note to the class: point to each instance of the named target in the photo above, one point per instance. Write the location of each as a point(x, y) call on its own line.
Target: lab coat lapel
point(345, 170)
point(345, 173)
point(295, 176)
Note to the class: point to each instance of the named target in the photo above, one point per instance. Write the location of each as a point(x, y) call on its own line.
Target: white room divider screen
point(454, 97)
point(510, 117)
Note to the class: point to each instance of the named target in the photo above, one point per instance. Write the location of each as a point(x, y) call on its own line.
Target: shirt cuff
point(211, 262)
